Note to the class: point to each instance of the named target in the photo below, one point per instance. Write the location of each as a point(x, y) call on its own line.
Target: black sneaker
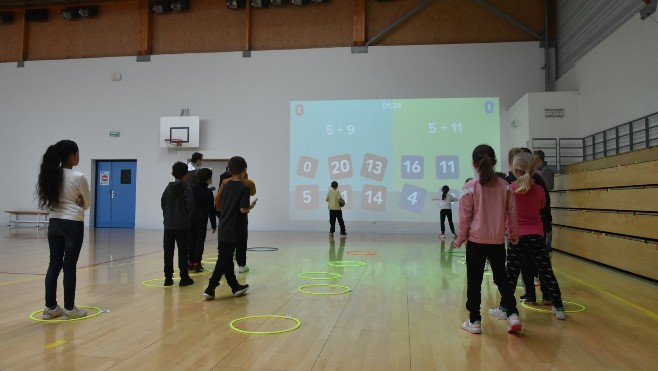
point(198, 268)
point(185, 281)
point(169, 281)
point(528, 298)
point(343, 233)
point(241, 289)
point(209, 294)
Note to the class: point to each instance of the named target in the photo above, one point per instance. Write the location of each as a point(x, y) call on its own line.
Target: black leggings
point(448, 213)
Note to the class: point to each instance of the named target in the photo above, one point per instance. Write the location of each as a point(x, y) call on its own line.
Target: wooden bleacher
point(606, 210)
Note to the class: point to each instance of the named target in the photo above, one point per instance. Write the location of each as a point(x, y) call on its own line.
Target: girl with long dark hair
point(445, 204)
point(486, 203)
point(64, 192)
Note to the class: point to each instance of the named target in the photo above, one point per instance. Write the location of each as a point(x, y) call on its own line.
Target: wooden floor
point(404, 311)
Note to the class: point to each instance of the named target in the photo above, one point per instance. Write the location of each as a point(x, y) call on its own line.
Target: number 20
point(342, 166)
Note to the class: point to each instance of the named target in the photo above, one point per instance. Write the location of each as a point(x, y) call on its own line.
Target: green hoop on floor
point(346, 263)
point(301, 289)
point(297, 324)
point(455, 253)
point(581, 308)
point(88, 316)
point(330, 276)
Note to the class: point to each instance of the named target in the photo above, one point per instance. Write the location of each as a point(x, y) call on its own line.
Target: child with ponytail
point(486, 202)
point(64, 192)
point(530, 199)
point(445, 204)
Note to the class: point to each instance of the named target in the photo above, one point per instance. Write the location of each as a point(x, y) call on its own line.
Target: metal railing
point(631, 136)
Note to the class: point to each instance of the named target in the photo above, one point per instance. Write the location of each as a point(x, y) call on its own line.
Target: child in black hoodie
point(204, 209)
point(177, 205)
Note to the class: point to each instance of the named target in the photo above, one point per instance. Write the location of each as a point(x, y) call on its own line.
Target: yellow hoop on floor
point(298, 323)
point(331, 276)
point(361, 253)
point(581, 308)
point(147, 284)
point(210, 260)
point(98, 312)
point(346, 263)
point(461, 260)
point(301, 289)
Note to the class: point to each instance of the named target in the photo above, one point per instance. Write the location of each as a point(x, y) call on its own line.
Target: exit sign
point(114, 133)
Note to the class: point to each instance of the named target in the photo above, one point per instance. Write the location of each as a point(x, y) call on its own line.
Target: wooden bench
point(17, 213)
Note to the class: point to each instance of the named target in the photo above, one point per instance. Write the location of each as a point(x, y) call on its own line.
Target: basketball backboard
point(184, 128)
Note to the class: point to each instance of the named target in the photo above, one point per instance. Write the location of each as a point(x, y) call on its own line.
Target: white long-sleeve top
point(74, 185)
point(447, 203)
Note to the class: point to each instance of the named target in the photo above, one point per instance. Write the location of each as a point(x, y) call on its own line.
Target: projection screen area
point(390, 157)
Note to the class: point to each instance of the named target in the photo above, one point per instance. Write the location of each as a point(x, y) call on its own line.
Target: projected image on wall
point(389, 157)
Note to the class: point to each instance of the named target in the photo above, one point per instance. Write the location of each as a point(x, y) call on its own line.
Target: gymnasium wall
point(244, 108)
point(617, 81)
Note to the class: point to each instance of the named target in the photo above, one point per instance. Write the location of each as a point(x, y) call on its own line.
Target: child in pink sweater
point(486, 202)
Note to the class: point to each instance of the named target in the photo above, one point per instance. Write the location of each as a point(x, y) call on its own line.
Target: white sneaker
point(498, 312)
point(559, 313)
point(243, 269)
point(513, 323)
point(74, 313)
point(52, 313)
point(473, 328)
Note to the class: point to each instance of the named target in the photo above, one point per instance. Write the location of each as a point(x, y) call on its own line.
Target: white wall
point(617, 80)
point(243, 104)
point(518, 135)
point(554, 127)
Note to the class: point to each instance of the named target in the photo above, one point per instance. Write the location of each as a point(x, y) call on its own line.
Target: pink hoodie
point(482, 212)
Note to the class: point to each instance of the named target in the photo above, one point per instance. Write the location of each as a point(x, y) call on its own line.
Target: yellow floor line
point(55, 344)
point(648, 312)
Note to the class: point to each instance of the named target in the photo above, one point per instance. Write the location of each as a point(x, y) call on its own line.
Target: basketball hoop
point(174, 142)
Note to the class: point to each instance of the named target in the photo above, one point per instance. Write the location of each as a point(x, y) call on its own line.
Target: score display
point(389, 156)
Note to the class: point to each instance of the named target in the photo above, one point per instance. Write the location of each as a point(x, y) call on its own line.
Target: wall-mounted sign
point(105, 177)
point(554, 112)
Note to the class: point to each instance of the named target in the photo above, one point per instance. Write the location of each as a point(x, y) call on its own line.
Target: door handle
point(112, 194)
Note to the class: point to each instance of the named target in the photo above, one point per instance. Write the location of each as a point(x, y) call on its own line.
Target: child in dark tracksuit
point(177, 204)
point(204, 209)
point(232, 228)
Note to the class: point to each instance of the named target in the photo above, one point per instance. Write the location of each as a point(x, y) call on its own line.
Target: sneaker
point(498, 312)
point(198, 268)
point(442, 236)
point(559, 313)
point(169, 281)
point(473, 328)
point(243, 269)
point(52, 313)
point(528, 298)
point(331, 234)
point(343, 233)
point(74, 313)
point(240, 290)
point(513, 323)
point(186, 281)
point(209, 294)
point(537, 283)
point(454, 236)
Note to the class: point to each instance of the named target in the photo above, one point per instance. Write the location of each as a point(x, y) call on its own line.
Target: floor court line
point(646, 311)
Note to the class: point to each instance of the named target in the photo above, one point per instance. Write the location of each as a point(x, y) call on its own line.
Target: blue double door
point(116, 194)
